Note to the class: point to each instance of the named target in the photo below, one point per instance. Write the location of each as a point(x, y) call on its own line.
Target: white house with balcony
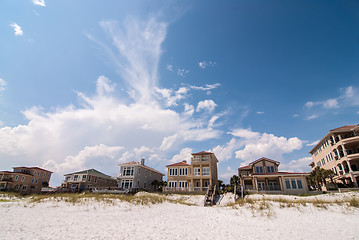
point(338, 150)
point(136, 175)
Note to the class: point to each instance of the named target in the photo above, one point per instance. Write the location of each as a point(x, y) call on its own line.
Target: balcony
point(350, 139)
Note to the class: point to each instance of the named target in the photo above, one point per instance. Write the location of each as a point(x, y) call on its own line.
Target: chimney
point(143, 161)
point(184, 161)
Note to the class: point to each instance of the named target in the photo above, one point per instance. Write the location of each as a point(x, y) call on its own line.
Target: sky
point(92, 84)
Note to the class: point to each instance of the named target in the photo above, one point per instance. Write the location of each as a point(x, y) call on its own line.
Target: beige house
point(88, 180)
point(135, 175)
point(197, 176)
point(263, 176)
point(25, 180)
point(339, 150)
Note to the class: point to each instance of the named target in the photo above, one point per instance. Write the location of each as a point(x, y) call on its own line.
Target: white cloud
point(208, 105)
point(313, 143)
point(182, 72)
point(67, 137)
point(314, 116)
point(300, 165)
point(295, 115)
point(2, 85)
point(207, 87)
point(172, 97)
point(225, 176)
point(205, 64)
point(39, 2)
point(184, 154)
point(169, 67)
point(17, 29)
point(245, 133)
point(225, 152)
point(260, 113)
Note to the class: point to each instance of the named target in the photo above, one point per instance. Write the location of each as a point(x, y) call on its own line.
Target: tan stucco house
point(338, 150)
point(197, 176)
point(136, 175)
point(263, 176)
point(25, 180)
point(88, 180)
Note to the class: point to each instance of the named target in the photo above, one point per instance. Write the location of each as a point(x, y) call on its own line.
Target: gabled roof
point(201, 153)
point(135, 163)
point(92, 172)
point(32, 168)
point(249, 166)
point(179, 164)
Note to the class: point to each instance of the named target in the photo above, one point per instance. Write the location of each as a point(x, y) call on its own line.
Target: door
point(261, 186)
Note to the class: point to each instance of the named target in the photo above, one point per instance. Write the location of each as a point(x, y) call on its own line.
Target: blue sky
point(94, 84)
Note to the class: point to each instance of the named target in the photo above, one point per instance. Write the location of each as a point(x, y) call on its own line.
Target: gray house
point(135, 175)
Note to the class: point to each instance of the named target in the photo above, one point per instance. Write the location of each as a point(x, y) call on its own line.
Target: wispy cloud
point(17, 29)
point(182, 72)
point(206, 87)
point(2, 85)
point(311, 117)
point(205, 64)
point(260, 113)
point(39, 3)
point(313, 143)
point(169, 67)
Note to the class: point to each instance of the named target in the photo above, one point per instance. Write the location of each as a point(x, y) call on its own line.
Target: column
point(256, 184)
point(281, 183)
point(350, 169)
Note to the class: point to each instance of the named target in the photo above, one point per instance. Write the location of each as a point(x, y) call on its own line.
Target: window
point(127, 183)
point(299, 183)
point(270, 169)
point(38, 173)
point(44, 175)
point(172, 184)
point(22, 178)
point(67, 178)
point(127, 171)
point(205, 158)
point(183, 171)
point(95, 180)
point(173, 171)
point(84, 177)
point(36, 181)
point(89, 178)
point(259, 169)
point(205, 171)
point(75, 177)
point(17, 187)
point(197, 159)
point(32, 180)
point(197, 171)
point(16, 178)
point(294, 184)
point(206, 183)
point(74, 186)
point(24, 188)
point(182, 184)
point(287, 183)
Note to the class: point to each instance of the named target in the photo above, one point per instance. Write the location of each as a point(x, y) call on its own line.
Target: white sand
point(98, 220)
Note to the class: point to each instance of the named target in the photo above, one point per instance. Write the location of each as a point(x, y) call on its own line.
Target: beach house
point(88, 180)
point(338, 150)
point(25, 180)
point(263, 176)
point(136, 175)
point(197, 176)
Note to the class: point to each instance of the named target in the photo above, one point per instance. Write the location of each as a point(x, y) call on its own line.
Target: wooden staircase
point(210, 198)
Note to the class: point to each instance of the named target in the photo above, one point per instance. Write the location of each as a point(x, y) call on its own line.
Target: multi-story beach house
point(88, 180)
point(135, 175)
point(338, 150)
point(25, 180)
point(262, 175)
point(197, 176)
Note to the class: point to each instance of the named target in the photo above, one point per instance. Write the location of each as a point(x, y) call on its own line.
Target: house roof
point(335, 130)
point(179, 164)
point(139, 164)
point(31, 168)
point(92, 172)
point(201, 153)
point(17, 173)
point(249, 166)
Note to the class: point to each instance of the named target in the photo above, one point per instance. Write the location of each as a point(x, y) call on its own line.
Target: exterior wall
point(88, 181)
point(25, 180)
point(142, 177)
point(201, 173)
